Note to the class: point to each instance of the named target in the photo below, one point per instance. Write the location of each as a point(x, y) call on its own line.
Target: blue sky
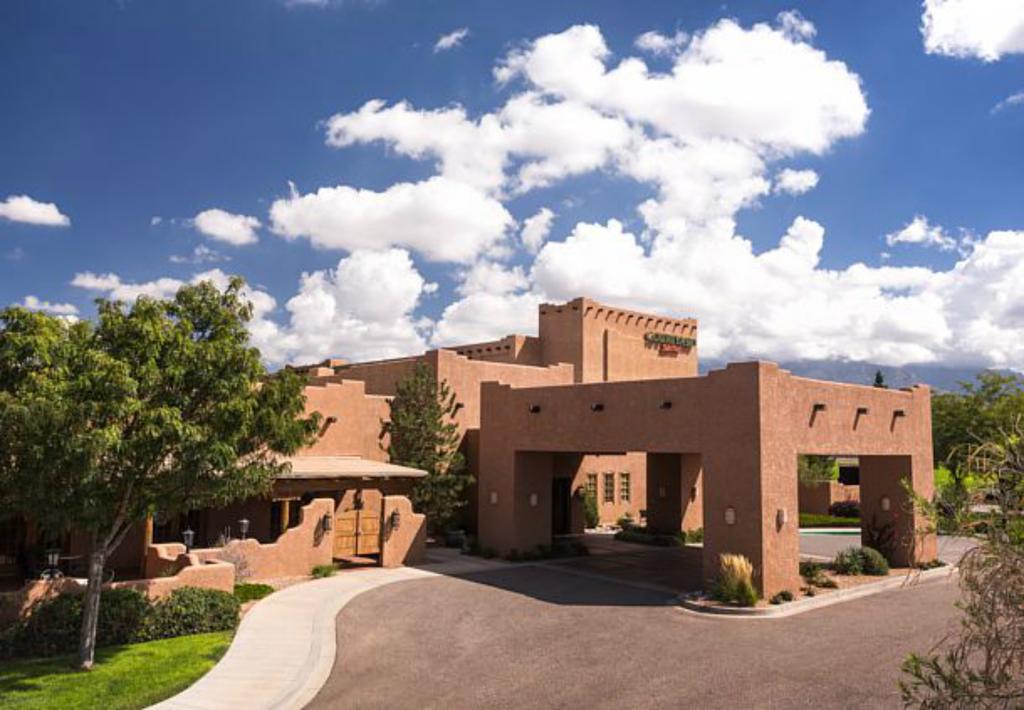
point(131, 118)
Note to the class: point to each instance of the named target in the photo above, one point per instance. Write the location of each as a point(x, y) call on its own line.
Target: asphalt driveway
point(535, 636)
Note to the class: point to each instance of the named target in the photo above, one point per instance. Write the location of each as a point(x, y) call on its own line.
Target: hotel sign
point(668, 344)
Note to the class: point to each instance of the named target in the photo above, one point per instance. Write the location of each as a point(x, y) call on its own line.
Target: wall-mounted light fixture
point(666, 404)
point(494, 497)
point(533, 500)
point(730, 516)
point(395, 520)
point(597, 407)
point(326, 521)
point(781, 517)
point(534, 408)
point(885, 503)
point(662, 492)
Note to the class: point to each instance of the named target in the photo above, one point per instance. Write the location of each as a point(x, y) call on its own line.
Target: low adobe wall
point(408, 544)
point(295, 553)
point(190, 571)
point(817, 498)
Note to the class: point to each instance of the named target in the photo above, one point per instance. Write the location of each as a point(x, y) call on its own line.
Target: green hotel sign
point(664, 341)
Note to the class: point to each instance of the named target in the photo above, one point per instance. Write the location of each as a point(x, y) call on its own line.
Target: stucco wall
point(408, 544)
point(356, 431)
point(817, 498)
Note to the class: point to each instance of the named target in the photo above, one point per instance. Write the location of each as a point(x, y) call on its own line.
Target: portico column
point(889, 519)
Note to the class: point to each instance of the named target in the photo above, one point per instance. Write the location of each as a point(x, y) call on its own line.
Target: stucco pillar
point(887, 509)
point(692, 500)
point(532, 499)
point(664, 493)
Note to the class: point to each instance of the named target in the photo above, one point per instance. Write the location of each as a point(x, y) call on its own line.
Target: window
point(609, 488)
point(592, 485)
point(624, 487)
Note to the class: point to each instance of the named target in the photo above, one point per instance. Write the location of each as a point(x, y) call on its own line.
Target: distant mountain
point(940, 377)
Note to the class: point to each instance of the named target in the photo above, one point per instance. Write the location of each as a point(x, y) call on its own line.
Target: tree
point(812, 469)
point(162, 404)
point(422, 433)
point(880, 380)
point(983, 666)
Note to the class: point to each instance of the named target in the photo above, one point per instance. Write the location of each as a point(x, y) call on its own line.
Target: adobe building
point(610, 401)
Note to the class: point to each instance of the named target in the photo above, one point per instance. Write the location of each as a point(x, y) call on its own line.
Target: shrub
point(873, 562)
point(845, 509)
point(251, 592)
point(782, 597)
point(626, 521)
point(591, 516)
point(191, 610)
point(695, 535)
point(123, 612)
point(860, 560)
point(321, 571)
point(736, 581)
point(848, 561)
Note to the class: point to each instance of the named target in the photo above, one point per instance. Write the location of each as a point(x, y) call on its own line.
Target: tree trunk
point(91, 608)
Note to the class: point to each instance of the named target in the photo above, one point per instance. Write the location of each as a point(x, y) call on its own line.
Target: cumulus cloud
point(920, 231)
point(22, 208)
point(984, 29)
point(659, 44)
point(795, 182)
point(441, 218)
point(536, 228)
point(58, 309)
point(202, 254)
point(236, 229)
point(451, 40)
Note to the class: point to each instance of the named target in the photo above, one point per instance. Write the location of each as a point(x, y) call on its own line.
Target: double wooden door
point(357, 530)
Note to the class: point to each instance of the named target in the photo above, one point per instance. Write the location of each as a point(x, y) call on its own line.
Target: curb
point(686, 603)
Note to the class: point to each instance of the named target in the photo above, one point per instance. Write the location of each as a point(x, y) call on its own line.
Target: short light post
point(188, 536)
point(243, 527)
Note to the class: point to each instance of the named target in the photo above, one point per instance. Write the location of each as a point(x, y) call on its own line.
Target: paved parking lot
point(538, 636)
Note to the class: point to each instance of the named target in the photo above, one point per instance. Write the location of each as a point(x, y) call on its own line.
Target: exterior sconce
point(243, 527)
point(533, 500)
point(395, 520)
point(661, 492)
point(326, 522)
point(885, 503)
point(188, 536)
point(781, 517)
point(597, 407)
point(667, 404)
point(534, 408)
point(494, 497)
point(730, 516)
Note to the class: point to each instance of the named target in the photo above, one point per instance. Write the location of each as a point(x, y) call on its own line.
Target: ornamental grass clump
point(736, 581)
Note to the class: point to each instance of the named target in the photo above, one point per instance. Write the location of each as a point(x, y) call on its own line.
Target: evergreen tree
point(422, 433)
point(880, 380)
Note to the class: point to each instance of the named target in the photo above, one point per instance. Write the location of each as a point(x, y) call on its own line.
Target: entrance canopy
point(341, 467)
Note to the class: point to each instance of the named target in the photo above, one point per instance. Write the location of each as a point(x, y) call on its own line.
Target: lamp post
point(243, 527)
point(188, 536)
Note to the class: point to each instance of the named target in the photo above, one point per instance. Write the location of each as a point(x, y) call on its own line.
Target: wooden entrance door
point(357, 530)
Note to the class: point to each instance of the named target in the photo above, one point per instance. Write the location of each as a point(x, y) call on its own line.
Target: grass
point(811, 520)
point(124, 677)
point(321, 571)
point(251, 592)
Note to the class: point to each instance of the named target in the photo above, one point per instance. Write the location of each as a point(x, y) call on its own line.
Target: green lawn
point(131, 676)
point(810, 520)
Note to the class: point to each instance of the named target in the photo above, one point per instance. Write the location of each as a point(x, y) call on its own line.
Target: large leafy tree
point(422, 433)
point(160, 404)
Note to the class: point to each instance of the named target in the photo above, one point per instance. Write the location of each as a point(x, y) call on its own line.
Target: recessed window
point(592, 485)
point(609, 488)
point(624, 491)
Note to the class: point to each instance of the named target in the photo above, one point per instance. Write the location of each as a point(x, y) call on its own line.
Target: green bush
point(591, 516)
point(813, 520)
point(782, 597)
point(191, 610)
point(860, 560)
point(626, 521)
point(251, 592)
point(321, 571)
point(695, 535)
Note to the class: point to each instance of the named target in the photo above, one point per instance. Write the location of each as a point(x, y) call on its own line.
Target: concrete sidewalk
point(284, 649)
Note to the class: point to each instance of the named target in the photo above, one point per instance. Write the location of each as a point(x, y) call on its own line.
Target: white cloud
point(236, 229)
point(795, 182)
point(58, 309)
point(443, 219)
point(22, 208)
point(985, 29)
point(451, 40)
point(919, 231)
point(111, 286)
point(796, 25)
point(1009, 102)
point(659, 44)
point(202, 254)
point(536, 228)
